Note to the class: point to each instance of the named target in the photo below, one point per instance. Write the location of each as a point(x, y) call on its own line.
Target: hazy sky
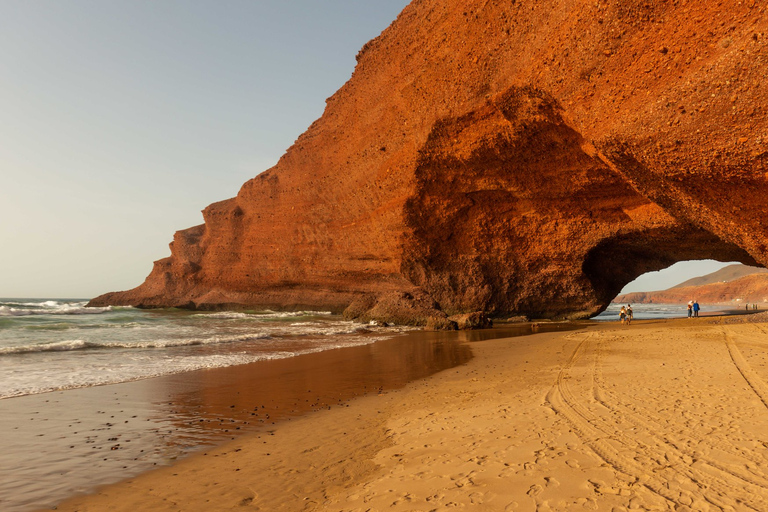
point(674, 275)
point(121, 120)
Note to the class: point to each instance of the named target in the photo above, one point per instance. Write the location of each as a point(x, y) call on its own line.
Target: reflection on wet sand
point(507, 330)
point(59, 444)
point(219, 403)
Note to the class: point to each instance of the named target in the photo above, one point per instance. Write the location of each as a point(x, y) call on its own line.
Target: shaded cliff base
point(578, 421)
point(415, 307)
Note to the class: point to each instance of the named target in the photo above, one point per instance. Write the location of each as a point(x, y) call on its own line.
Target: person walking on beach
point(629, 314)
point(696, 308)
point(623, 314)
point(690, 308)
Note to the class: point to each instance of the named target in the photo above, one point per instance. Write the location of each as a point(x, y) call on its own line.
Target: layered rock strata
point(514, 157)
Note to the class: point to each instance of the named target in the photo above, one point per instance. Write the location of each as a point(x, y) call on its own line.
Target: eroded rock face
point(514, 157)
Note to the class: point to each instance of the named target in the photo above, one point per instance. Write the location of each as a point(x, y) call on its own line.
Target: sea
point(653, 311)
point(90, 396)
point(57, 344)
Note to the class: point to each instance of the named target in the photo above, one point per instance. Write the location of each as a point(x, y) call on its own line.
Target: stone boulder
point(440, 324)
point(400, 308)
point(476, 320)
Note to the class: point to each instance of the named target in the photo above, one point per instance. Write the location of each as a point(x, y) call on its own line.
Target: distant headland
point(735, 285)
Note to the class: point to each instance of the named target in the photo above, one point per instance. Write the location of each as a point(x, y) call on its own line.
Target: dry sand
point(656, 416)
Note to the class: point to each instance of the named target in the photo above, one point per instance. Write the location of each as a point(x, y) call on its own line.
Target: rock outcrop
point(476, 320)
point(515, 157)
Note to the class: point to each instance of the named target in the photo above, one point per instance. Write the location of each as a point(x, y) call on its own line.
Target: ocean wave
point(69, 345)
point(48, 379)
point(64, 309)
point(43, 303)
point(188, 342)
point(58, 346)
point(61, 326)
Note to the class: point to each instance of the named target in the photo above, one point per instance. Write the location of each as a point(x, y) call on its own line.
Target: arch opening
point(616, 262)
point(680, 274)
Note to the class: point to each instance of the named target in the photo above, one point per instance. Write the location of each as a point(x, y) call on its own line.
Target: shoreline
point(70, 442)
point(518, 427)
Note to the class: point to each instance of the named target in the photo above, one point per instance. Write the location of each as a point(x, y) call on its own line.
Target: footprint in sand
point(535, 490)
point(476, 498)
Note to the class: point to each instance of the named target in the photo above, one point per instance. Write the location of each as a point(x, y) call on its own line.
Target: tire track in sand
point(582, 420)
point(694, 463)
point(754, 381)
point(658, 452)
point(720, 484)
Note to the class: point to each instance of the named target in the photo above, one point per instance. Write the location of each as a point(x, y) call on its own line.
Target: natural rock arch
point(513, 175)
point(516, 157)
point(615, 262)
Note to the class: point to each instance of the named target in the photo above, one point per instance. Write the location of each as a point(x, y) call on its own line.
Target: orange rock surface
point(515, 157)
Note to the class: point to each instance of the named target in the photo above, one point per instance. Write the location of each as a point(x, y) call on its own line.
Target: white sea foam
point(334, 329)
point(58, 346)
point(34, 380)
point(65, 309)
point(225, 315)
point(68, 345)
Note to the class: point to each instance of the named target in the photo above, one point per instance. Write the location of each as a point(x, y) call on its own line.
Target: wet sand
point(660, 415)
point(56, 445)
point(61, 444)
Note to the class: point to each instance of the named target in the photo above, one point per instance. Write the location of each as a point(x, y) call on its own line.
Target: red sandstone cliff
point(512, 156)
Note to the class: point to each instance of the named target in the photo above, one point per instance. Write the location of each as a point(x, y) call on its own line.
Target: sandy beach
point(660, 415)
